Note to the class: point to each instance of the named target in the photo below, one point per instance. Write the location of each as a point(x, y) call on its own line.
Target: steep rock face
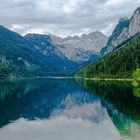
point(118, 35)
point(120, 63)
point(124, 30)
point(80, 49)
point(134, 26)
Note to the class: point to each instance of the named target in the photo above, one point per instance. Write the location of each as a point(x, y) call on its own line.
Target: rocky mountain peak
point(137, 11)
point(134, 26)
point(80, 48)
point(124, 30)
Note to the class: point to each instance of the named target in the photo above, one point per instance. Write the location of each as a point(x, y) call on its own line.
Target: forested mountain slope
point(19, 57)
point(121, 63)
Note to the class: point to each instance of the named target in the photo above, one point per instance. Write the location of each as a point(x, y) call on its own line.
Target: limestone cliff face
point(134, 26)
point(125, 29)
point(80, 49)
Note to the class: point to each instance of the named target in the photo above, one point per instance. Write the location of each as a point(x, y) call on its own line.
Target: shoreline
point(62, 77)
point(37, 77)
point(107, 79)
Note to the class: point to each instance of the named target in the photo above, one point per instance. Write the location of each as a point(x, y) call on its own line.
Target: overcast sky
point(64, 17)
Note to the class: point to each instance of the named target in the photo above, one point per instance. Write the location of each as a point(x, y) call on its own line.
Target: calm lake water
point(50, 109)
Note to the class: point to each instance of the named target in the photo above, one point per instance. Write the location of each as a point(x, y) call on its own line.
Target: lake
point(64, 109)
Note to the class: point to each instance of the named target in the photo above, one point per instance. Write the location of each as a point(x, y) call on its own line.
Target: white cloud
point(16, 27)
point(64, 17)
point(35, 30)
point(108, 29)
point(70, 6)
point(116, 2)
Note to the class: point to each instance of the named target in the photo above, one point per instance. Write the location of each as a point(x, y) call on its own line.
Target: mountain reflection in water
point(52, 109)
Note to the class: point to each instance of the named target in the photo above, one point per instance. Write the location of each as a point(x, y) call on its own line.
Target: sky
point(64, 17)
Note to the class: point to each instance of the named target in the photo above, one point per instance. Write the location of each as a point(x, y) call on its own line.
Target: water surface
point(58, 109)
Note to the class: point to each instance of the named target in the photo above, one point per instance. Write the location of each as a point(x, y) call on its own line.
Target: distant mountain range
point(121, 56)
point(49, 55)
point(32, 55)
point(83, 48)
point(39, 55)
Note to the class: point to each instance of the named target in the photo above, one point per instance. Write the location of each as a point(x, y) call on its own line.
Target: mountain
point(81, 49)
point(44, 45)
point(19, 57)
point(125, 29)
point(121, 56)
point(121, 63)
point(44, 55)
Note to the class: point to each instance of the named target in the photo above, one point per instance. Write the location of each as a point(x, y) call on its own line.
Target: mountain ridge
point(125, 29)
point(20, 58)
point(81, 48)
point(121, 57)
point(37, 55)
point(121, 63)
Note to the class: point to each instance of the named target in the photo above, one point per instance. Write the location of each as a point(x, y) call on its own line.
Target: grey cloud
point(64, 17)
